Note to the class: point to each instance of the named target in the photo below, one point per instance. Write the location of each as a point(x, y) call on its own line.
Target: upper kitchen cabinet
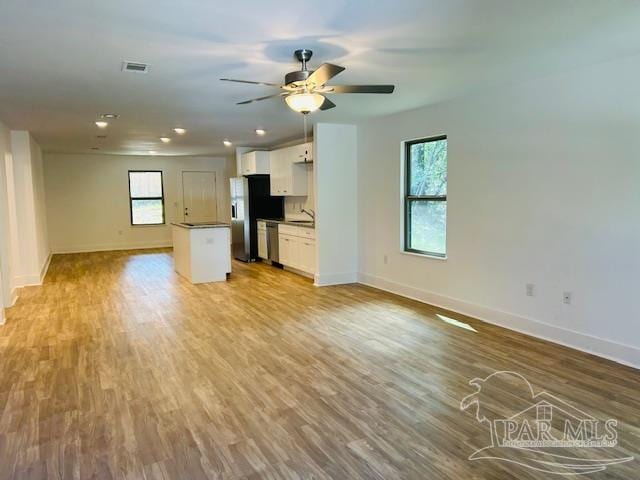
point(302, 153)
point(289, 172)
point(255, 163)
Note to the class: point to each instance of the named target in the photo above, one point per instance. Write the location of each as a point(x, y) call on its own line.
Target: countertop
point(191, 226)
point(289, 222)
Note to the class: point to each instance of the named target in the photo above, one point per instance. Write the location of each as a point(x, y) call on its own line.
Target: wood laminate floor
point(118, 368)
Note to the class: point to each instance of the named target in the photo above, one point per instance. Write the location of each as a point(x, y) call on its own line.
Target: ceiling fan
point(304, 89)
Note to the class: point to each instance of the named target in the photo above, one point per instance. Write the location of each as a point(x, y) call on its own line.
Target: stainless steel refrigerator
point(250, 200)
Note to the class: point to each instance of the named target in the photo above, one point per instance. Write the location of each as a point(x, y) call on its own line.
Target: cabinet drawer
point(287, 229)
point(303, 232)
point(308, 233)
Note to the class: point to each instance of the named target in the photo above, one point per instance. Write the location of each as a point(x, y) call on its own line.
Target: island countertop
point(195, 225)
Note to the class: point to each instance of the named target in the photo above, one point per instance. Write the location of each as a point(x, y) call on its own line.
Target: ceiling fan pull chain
point(304, 122)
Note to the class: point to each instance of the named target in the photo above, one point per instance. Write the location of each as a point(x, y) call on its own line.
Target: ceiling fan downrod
point(303, 55)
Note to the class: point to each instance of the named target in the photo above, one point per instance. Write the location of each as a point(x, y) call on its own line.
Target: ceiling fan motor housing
point(298, 77)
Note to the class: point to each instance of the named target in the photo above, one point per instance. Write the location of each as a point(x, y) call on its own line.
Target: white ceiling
point(60, 62)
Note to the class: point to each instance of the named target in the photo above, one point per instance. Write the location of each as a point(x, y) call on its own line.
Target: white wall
point(543, 188)
point(30, 245)
point(88, 199)
point(5, 232)
point(40, 205)
point(336, 197)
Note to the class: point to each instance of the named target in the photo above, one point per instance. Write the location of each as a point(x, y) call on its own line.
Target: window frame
point(409, 199)
point(161, 198)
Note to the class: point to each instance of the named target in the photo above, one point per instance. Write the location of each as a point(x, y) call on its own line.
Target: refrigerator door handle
point(233, 210)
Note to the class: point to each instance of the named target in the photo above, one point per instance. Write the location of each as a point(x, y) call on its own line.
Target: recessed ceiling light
point(110, 115)
point(95, 148)
point(180, 131)
point(227, 143)
point(165, 139)
point(101, 137)
point(101, 124)
point(260, 132)
point(152, 152)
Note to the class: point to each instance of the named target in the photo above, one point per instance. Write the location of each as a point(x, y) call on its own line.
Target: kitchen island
point(202, 251)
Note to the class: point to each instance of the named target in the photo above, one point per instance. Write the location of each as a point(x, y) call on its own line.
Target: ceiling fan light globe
point(304, 102)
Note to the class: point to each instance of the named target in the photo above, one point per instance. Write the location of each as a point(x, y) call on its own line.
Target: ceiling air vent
point(135, 67)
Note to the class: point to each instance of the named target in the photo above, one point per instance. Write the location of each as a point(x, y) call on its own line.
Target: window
point(544, 412)
point(146, 197)
point(425, 201)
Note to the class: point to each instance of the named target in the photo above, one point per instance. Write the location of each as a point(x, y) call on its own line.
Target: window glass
point(426, 197)
point(145, 184)
point(146, 198)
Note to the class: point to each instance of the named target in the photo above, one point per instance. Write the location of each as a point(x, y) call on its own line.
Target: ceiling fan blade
point(360, 89)
point(327, 104)
point(250, 82)
point(324, 73)
point(262, 98)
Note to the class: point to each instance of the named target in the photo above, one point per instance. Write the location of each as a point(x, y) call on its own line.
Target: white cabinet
point(254, 163)
point(288, 250)
point(288, 171)
point(263, 252)
point(297, 248)
point(278, 178)
point(302, 153)
point(307, 255)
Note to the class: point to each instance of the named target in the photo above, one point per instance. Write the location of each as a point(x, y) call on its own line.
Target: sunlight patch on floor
point(456, 323)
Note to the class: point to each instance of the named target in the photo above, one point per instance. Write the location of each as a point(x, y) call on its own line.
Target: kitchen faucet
point(309, 212)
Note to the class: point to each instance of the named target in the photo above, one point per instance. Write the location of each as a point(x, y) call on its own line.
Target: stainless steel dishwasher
point(272, 242)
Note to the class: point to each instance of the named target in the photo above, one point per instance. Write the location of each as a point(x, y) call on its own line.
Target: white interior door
point(199, 196)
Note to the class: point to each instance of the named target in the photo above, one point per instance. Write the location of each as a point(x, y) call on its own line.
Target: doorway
point(199, 197)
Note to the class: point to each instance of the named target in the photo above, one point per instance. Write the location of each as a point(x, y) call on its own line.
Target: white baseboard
point(298, 272)
point(111, 247)
point(618, 352)
point(30, 280)
point(326, 279)
point(3, 319)
point(45, 268)
point(27, 281)
point(14, 296)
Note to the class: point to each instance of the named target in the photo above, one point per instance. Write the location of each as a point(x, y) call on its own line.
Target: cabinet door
point(284, 249)
point(307, 255)
point(289, 249)
point(261, 163)
point(262, 244)
point(248, 163)
point(275, 169)
point(285, 175)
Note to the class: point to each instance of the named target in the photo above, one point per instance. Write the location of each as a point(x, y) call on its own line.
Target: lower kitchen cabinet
point(263, 252)
point(297, 248)
point(307, 258)
point(288, 250)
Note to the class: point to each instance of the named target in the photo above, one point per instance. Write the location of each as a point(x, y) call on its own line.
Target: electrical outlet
point(209, 241)
point(119, 232)
point(531, 290)
point(566, 298)
point(385, 259)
